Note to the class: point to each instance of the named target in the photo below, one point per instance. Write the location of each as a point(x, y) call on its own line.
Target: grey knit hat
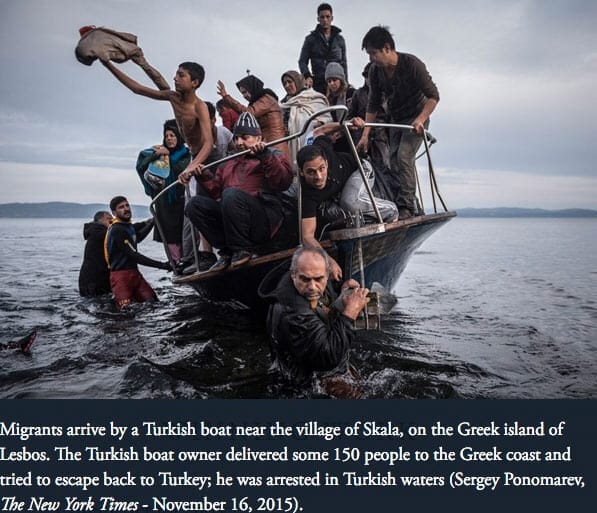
point(335, 70)
point(246, 124)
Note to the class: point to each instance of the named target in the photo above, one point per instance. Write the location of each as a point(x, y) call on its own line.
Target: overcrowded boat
point(375, 254)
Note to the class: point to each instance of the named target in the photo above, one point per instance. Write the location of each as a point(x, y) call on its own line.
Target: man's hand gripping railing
point(226, 159)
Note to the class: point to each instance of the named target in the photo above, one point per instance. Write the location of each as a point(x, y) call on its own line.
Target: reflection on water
point(477, 316)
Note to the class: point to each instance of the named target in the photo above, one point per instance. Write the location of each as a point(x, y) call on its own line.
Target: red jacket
point(268, 172)
point(229, 117)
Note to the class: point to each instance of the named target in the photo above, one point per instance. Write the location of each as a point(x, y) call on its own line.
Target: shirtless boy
point(190, 111)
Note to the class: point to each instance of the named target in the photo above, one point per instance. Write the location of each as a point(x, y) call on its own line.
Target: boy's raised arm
point(135, 86)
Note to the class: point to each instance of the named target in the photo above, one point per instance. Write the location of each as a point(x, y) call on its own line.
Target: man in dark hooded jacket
point(323, 45)
point(94, 277)
point(310, 327)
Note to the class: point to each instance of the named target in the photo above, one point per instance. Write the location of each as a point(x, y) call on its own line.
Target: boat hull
point(386, 250)
point(386, 254)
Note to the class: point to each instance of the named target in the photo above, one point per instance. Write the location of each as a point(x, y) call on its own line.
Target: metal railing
point(428, 140)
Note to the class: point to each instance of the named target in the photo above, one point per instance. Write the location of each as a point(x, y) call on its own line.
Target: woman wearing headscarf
point(263, 104)
point(158, 167)
point(298, 105)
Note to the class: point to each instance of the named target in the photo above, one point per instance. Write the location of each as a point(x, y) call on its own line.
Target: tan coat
point(269, 116)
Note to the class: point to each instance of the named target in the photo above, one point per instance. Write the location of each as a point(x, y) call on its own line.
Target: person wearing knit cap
point(338, 92)
point(159, 167)
point(238, 207)
point(323, 45)
point(263, 104)
point(334, 70)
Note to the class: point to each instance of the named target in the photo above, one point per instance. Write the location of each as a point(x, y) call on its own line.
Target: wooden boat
point(371, 254)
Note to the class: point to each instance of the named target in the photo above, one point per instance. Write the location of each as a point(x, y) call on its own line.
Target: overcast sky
point(516, 121)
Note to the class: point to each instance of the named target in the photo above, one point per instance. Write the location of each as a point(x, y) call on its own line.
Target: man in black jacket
point(310, 327)
point(120, 249)
point(94, 277)
point(323, 45)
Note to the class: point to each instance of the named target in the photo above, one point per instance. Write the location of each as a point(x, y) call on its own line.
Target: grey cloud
point(514, 76)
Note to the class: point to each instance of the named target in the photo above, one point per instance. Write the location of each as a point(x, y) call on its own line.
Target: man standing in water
point(310, 328)
point(120, 249)
point(94, 276)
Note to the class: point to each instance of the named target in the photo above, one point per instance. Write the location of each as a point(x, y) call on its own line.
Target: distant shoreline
point(61, 210)
point(64, 210)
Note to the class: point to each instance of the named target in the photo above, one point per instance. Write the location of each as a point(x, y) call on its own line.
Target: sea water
point(487, 308)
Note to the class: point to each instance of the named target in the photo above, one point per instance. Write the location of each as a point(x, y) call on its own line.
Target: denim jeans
point(404, 146)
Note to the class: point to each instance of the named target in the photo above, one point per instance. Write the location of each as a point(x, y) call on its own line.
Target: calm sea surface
point(487, 308)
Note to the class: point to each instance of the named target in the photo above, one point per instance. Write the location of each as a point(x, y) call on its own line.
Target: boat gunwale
point(342, 234)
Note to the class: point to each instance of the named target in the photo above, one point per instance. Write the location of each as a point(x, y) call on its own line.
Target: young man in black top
point(401, 80)
point(327, 175)
point(120, 249)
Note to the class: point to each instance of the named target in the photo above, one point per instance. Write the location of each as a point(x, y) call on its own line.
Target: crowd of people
point(239, 206)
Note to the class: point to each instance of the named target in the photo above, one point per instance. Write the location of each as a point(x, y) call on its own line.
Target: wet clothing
point(120, 250)
point(128, 285)
point(320, 51)
point(94, 276)
point(241, 207)
point(170, 206)
point(305, 340)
